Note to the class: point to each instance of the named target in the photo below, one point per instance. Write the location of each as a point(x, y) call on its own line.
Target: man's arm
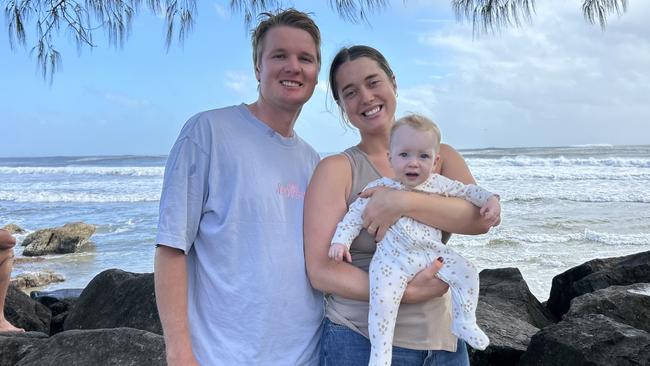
point(170, 277)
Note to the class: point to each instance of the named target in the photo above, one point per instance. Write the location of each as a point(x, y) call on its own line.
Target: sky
point(558, 81)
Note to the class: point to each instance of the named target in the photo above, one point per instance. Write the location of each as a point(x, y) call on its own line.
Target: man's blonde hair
point(289, 18)
point(418, 123)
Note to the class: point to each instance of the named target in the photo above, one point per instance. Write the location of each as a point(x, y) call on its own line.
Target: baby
point(409, 246)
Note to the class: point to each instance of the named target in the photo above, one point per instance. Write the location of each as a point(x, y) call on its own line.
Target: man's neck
point(279, 120)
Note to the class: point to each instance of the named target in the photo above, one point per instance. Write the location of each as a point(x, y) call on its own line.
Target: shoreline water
point(561, 207)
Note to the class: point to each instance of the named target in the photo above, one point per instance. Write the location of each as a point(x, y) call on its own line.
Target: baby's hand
point(492, 208)
point(339, 252)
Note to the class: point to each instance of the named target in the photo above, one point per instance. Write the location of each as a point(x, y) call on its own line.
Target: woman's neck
point(377, 148)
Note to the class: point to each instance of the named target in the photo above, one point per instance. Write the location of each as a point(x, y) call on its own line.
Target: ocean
point(561, 206)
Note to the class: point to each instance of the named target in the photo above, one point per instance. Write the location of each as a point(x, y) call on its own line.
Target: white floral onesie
point(407, 248)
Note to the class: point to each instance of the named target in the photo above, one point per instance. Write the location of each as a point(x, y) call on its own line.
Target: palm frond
point(599, 10)
point(489, 16)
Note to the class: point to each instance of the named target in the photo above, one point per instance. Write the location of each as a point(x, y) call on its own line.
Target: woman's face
point(366, 94)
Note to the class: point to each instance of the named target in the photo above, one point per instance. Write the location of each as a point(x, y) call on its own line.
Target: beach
point(561, 206)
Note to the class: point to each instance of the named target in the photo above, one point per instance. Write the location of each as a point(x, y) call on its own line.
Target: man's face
point(288, 67)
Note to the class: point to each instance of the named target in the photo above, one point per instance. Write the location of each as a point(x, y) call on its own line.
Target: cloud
point(221, 11)
point(239, 81)
point(556, 81)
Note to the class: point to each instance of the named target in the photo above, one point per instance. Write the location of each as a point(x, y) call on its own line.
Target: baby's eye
point(403, 154)
point(425, 156)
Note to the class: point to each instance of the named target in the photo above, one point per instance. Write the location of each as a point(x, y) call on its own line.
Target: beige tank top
point(423, 326)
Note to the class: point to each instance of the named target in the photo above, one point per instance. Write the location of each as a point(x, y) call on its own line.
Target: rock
point(60, 302)
point(121, 346)
point(22, 260)
point(66, 239)
point(36, 279)
point(48, 298)
point(115, 298)
point(590, 340)
point(625, 304)
point(509, 314)
point(23, 312)
point(15, 346)
point(13, 229)
point(595, 275)
point(506, 290)
point(509, 337)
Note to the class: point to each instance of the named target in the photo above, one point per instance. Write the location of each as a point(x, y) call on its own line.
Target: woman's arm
point(453, 215)
point(325, 205)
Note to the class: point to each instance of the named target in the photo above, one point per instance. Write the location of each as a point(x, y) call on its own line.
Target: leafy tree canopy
point(82, 19)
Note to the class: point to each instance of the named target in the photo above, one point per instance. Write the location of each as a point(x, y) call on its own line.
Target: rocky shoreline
point(598, 313)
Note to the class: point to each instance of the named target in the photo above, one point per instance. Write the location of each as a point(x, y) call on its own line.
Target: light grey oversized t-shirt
point(232, 199)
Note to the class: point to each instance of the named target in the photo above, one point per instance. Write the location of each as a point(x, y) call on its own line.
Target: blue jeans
point(341, 346)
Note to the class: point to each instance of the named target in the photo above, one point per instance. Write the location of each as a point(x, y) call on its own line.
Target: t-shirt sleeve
point(185, 189)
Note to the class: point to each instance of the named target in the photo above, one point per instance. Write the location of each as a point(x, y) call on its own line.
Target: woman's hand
point(382, 211)
point(425, 285)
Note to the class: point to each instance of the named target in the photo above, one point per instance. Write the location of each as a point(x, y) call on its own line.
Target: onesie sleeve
point(185, 189)
point(352, 223)
point(350, 227)
point(469, 192)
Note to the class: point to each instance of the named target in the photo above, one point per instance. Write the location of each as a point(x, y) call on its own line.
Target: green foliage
point(83, 18)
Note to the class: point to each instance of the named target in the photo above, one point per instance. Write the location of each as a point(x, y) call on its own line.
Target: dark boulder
point(509, 337)
point(15, 346)
point(62, 240)
point(48, 298)
point(23, 312)
point(115, 298)
point(60, 302)
point(506, 290)
point(595, 275)
point(509, 314)
point(119, 347)
point(625, 304)
point(590, 340)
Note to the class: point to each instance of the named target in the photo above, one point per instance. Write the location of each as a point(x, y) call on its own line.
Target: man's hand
point(491, 211)
point(339, 252)
point(425, 285)
point(382, 211)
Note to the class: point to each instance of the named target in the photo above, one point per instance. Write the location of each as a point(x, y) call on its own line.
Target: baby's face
point(412, 155)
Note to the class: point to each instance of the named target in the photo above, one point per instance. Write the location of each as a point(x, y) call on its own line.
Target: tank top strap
point(363, 171)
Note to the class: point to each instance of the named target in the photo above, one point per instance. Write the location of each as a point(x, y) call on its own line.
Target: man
point(231, 285)
point(7, 243)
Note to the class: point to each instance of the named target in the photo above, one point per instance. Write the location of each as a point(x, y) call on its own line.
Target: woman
point(364, 87)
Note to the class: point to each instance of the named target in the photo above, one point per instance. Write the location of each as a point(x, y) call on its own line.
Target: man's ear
point(257, 73)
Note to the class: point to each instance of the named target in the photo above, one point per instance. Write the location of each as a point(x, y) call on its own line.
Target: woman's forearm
point(450, 214)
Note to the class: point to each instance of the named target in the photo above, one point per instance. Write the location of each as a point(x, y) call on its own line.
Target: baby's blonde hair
point(418, 123)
